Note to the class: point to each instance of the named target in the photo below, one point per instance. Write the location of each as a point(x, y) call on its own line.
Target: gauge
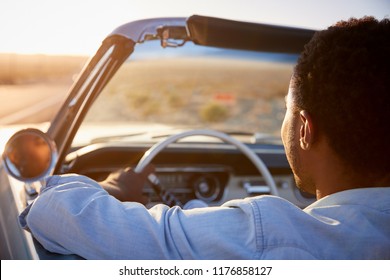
point(206, 188)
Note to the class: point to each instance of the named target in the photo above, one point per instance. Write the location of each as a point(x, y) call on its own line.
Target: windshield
point(159, 90)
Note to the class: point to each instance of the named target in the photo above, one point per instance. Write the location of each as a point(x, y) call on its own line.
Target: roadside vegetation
point(216, 93)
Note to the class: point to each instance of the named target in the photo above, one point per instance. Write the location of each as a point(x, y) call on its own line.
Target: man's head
point(340, 91)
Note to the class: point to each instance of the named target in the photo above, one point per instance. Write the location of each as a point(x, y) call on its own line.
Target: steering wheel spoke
point(166, 196)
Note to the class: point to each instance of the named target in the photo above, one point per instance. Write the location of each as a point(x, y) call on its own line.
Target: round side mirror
point(30, 155)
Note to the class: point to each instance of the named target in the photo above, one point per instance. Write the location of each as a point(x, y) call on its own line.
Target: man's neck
point(338, 178)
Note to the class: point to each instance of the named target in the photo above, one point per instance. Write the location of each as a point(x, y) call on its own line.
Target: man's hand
point(126, 185)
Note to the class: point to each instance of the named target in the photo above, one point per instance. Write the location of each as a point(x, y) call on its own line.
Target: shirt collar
point(378, 198)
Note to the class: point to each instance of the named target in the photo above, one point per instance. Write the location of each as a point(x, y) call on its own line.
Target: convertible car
point(200, 98)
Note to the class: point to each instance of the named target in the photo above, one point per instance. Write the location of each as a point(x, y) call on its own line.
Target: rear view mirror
point(30, 155)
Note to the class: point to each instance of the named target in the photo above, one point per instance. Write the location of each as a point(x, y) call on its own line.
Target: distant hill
point(21, 68)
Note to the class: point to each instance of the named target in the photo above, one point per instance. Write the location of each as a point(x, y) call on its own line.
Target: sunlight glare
point(77, 27)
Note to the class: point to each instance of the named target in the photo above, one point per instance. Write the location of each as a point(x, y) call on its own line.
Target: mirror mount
point(172, 36)
point(30, 156)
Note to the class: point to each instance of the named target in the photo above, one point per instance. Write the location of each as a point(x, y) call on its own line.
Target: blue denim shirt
point(74, 215)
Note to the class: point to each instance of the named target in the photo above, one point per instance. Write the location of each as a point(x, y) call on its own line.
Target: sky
point(77, 27)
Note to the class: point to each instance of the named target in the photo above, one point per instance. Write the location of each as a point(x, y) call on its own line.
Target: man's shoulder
point(268, 206)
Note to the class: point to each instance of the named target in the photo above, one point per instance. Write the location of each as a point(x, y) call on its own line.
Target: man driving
point(336, 135)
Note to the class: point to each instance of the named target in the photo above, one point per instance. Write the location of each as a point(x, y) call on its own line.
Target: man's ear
point(306, 130)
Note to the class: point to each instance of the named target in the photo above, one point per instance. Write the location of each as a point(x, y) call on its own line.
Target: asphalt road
point(31, 103)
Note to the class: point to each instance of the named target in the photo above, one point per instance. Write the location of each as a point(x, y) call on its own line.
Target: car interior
point(199, 98)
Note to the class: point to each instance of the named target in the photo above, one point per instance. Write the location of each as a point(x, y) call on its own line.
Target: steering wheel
point(167, 197)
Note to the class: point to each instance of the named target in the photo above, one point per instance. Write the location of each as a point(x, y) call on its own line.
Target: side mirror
point(30, 155)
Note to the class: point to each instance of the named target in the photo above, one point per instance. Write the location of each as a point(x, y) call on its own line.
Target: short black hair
point(342, 79)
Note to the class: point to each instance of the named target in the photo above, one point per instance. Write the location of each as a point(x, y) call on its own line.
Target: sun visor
point(216, 32)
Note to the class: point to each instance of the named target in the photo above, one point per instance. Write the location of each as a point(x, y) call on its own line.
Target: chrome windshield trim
point(140, 29)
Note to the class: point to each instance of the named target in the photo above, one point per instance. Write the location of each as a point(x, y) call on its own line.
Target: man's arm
point(75, 215)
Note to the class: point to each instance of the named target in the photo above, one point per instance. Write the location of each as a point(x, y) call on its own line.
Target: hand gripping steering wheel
point(167, 197)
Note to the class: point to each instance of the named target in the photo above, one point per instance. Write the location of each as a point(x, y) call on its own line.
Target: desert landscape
point(216, 93)
point(224, 94)
point(32, 87)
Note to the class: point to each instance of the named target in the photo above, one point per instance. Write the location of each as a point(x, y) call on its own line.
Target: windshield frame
point(123, 39)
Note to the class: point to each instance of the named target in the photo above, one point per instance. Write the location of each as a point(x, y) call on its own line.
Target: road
point(31, 103)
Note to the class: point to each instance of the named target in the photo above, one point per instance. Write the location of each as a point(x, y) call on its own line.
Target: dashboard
point(212, 172)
